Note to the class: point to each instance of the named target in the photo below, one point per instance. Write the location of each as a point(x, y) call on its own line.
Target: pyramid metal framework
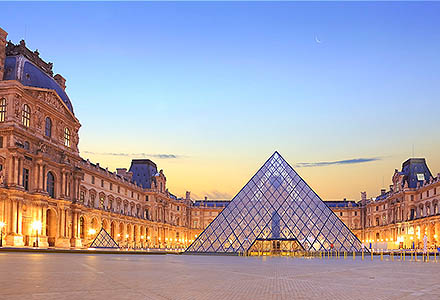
point(276, 204)
point(104, 240)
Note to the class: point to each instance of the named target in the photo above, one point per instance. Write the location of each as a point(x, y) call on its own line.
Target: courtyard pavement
point(106, 276)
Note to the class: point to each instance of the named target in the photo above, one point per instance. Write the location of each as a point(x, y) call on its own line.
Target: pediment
point(51, 98)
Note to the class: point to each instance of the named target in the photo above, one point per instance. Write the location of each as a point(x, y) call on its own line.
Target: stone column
point(13, 216)
point(41, 177)
point(20, 217)
point(20, 171)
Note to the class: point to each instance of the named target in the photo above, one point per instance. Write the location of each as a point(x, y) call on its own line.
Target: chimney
point(382, 192)
point(188, 195)
point(60, 80)
point(206, 198)
point(364, 196)
point(3, 36)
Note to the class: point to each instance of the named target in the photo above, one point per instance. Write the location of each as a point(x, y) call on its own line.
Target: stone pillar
point(20, 171)
point(19, 217)
point(74, 240)
point(63, 183)
point(41, 177)
point(3, 36)
point(13, 217)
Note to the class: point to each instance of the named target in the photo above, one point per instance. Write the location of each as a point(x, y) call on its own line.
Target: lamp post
point(36, 225)
point(2, 224)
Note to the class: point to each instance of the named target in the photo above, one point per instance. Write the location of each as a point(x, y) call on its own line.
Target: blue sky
point(222, 85)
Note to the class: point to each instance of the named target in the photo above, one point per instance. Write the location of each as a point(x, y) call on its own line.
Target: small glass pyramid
point(104, 240)
point(275, 205)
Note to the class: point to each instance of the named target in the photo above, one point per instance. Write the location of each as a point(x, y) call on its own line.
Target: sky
point(346, 92)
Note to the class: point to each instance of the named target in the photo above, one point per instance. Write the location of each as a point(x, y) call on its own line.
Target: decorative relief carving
point(49, 98)
point(38, 118)
point(17, 107)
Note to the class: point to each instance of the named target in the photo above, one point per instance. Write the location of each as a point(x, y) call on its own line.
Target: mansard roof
point(27, 67)
point(415, 171)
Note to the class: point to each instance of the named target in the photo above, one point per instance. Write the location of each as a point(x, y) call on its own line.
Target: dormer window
point(26, 115)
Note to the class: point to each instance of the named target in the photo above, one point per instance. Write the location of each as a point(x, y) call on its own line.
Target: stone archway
point(113, 230)
point(82, 227)
point(51, 227)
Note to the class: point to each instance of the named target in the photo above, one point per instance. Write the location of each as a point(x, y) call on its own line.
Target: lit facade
point(48, 190)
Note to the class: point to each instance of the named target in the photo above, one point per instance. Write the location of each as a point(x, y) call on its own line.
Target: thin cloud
point(213, 195)
point(152, 155)
point(337, 162)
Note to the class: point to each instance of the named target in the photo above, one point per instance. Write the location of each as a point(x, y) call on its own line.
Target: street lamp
point(92, 231)
point(2, 224)
point(36, 225)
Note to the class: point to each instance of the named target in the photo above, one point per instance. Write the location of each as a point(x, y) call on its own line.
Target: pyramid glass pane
point(275, 205)
point(104, 240)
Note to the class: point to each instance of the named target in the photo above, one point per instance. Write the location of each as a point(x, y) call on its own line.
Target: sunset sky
point(344, 91)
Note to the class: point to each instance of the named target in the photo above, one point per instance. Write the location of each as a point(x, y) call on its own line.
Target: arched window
point(66, 137)
point(50, 184)
point(26, 115)
point(101, 201)
point(2, 110)
point(48, 127)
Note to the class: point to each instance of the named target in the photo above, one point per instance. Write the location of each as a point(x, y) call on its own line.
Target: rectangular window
point(111, 186)
point(341, 213)
point(93, 179)
point(146, 198)
point(435, 191)
point(377, 208)
point(427, 194)
point(119, 189)
point(131, 194)
point(1, 142)
point(102, 182)
point(412, 197)
point(355, 213)
point(26, 179)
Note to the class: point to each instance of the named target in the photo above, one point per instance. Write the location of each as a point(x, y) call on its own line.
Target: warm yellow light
point(118, 235)
point(386, 240)
point(195, 236)
point(166, 239)
point(92, 231)
point(148, 237)
point(2, 224)
point(435, 236)
point(126, 236)
point(411, 238)
point(159, 238)
point(142, 237)
point(381, 240)
point(391, 239)
point(36, 225)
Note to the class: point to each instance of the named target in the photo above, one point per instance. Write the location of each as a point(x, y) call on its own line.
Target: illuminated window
point(2, 110)
point(48, 127)
point(82, 196)
point(26, 115)
point(66, 137)
point(101, 201)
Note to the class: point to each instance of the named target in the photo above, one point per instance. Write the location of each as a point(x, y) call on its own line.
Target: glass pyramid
point(276, 204)
point(104, 240)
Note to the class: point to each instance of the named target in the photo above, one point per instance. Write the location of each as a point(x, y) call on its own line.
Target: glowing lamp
point(36, 225)
point(92, 231)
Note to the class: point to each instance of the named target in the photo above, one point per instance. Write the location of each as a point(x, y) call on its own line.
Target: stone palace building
point(48, 190)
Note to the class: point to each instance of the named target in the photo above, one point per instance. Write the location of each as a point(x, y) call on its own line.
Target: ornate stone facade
point(46, 188)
